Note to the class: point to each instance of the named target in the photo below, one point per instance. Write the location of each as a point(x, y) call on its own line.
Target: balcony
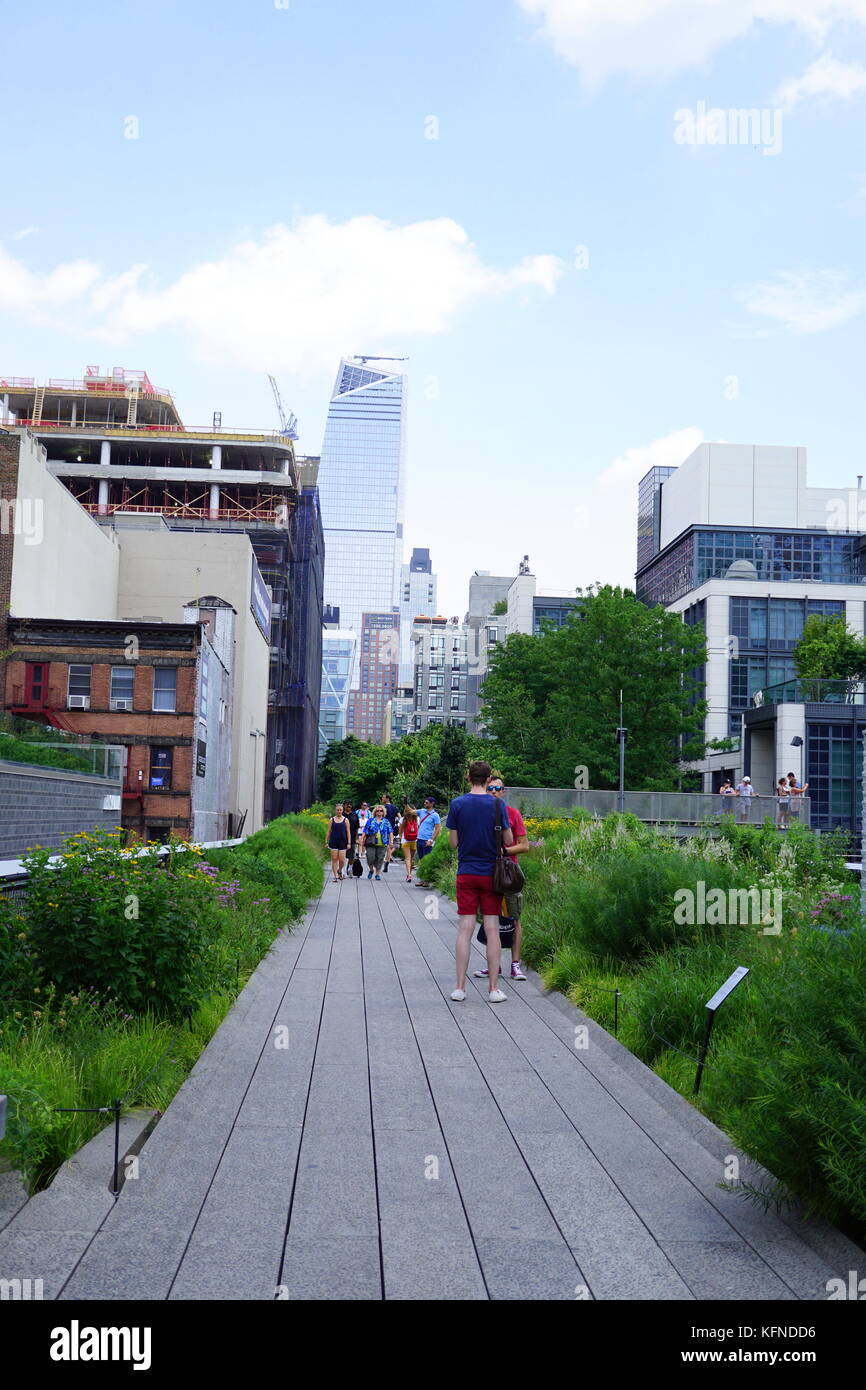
point(806, 690)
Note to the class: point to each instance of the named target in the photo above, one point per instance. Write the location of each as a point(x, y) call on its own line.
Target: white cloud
point(295, 299)
point(24, 232)
point(807, 301)
point(623, 475)
point(660, 37)
point(827, 78)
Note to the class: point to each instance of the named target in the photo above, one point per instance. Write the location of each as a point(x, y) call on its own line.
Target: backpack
point(357, 868)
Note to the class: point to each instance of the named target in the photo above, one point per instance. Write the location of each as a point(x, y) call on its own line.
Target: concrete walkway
point(405, 1147)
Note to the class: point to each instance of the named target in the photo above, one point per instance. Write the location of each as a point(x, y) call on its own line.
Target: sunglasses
point(495, 787)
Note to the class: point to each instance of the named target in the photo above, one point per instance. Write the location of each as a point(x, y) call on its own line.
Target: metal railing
point(91, 760)
point(802, 690)
point(658, 808)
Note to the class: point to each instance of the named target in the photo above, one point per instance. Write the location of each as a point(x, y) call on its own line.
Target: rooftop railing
point(657, 808)
point(803, 690)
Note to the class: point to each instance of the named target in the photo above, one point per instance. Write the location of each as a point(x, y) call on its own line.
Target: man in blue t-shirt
point(472, 821)
point(429, 825)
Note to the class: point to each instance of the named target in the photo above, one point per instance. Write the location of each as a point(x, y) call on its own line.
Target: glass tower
point(361, 480)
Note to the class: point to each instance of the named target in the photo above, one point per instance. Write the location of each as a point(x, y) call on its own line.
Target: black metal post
point(115, 1185)
point(616, 995)
point(711, 1015)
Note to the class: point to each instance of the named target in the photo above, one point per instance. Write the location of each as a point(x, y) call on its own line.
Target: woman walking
point(409, 830)
point(783, 792)
point(337, 841)
point(377, 837)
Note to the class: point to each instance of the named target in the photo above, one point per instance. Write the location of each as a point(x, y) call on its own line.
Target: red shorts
point(474, 891)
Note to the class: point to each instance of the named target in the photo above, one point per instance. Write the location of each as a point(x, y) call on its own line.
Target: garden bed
point(607, 908)
point(117, 969)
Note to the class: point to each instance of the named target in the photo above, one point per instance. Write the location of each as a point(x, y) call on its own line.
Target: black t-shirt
point(352, 818)
point(392, 814)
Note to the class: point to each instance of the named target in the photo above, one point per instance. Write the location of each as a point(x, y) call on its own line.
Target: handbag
point(506, 932)
point(357, 868)
point(508, 877)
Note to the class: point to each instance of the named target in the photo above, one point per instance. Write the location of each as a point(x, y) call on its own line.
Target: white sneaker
point(517, 971)
point(496, 997)
point(460, 994)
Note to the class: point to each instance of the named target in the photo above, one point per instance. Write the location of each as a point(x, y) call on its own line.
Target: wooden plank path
point(402, 1146)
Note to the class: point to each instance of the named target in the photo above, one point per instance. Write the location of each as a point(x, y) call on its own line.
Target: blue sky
point(281, 204)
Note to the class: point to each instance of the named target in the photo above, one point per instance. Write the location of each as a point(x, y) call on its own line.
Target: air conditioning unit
point(79, 702)
point(121, 704)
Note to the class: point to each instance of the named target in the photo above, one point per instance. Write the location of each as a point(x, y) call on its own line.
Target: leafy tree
point(828, 650)
point(552, 701)
point(500, 607)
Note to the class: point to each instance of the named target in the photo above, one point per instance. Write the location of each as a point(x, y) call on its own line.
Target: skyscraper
point(362, 493)
point(418, 586)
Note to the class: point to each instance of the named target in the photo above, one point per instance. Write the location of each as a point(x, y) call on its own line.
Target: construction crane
point(288, 423)
point(368, 357)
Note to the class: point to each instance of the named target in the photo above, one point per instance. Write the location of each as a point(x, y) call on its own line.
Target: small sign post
point(713, 1004)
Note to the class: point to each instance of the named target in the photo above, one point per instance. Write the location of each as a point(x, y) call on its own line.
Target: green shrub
point(125, 925)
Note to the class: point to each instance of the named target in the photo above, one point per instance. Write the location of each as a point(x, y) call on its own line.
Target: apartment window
point(78, 692)
point(455, 701)
point(492, 635)
point(160, 769)
point(456, 663)
point(455, 682)
point(165, 688)
point(122, 681)
point(434, 702)
point(437, 682)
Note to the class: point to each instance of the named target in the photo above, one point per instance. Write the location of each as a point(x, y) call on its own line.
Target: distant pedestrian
point(377, 837)
point(352, 818)
point(392, 815)
point(471, 823)
point(797, 791)
point(409, 835)
point(783, 795)
point(512, 904)
point(429, 826)
point(337, 841)
point(746, 791)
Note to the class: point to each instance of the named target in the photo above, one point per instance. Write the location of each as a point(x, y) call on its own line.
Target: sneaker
point(458, 995)
point(517, 971)
point(496, 997)
point(378, 877)
point(370, 874)
point(482, 974)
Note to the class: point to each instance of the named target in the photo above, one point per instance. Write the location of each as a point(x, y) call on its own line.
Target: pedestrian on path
point(337, 841)
point(512, 903)
point(471, 823)
point(429, 826)
point(352, 817)
point(392, 815)
point(409, 831)
point(377, 837)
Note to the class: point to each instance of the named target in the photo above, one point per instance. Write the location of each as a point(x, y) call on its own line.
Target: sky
point(544, 204)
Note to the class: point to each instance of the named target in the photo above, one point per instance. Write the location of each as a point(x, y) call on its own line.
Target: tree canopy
point(828, 650)
point(551, 702)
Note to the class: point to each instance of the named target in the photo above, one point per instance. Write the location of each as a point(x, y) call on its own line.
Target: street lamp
point(797, 742)
point(621, 736)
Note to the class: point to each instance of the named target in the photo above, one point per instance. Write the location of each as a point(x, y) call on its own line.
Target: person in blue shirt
point(392, 815)
point(376, 839)
point(429, 826)
point(472, 823)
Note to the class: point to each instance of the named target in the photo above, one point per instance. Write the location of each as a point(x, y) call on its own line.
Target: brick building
point(162, 691)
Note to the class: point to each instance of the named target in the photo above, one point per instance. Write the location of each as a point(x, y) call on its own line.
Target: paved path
point(406, 1147)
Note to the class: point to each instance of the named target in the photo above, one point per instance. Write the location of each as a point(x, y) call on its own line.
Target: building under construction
point(119, 445)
